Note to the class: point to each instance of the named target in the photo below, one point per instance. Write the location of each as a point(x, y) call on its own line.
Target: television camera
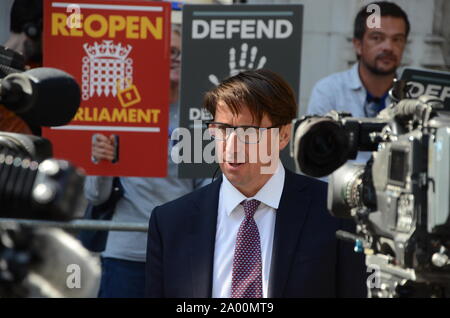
point(400, 198)
point(37, 262)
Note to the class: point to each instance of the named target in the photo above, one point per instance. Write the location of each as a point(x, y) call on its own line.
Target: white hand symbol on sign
point(243, 66)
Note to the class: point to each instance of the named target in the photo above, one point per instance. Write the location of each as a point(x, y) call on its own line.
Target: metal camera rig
point(399, 199)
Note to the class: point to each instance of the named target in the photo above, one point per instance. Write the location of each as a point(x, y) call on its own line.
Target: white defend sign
point(243, 29)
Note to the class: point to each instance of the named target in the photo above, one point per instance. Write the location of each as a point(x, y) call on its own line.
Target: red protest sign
point(119, 53)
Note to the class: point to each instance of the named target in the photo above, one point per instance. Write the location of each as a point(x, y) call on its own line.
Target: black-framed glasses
point(174, 53)
point(245, 134)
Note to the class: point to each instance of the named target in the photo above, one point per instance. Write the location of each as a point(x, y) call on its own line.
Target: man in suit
point(259, 230)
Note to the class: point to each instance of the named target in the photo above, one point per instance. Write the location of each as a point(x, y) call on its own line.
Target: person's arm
point(322, 99)
point(97, 189)
point(154, 267)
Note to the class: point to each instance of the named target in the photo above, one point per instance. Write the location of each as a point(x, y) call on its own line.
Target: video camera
point(400, 198)
point(33, 185)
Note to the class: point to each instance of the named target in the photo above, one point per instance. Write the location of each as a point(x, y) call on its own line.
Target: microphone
point(42, 96)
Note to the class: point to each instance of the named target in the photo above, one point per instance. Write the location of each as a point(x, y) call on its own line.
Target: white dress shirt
point(229, 218)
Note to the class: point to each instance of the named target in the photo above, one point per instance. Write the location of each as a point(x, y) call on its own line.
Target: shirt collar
point(355, 81)
point(269, 194)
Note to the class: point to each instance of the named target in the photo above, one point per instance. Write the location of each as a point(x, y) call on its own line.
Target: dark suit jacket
point(307, 259)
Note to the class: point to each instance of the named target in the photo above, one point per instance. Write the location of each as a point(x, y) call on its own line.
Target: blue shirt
point(341, 91)
point(344, 92)
point(374, 105)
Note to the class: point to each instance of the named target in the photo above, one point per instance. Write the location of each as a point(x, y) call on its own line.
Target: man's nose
point(233, 147)
point(231, 142)
point(388, 44)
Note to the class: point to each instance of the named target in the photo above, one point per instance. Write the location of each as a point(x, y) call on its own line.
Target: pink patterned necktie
point(246, 280)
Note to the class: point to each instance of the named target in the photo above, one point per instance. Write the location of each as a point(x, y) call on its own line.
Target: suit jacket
point(307, 259)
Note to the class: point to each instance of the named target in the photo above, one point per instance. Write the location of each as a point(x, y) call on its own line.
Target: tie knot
point(250, 207)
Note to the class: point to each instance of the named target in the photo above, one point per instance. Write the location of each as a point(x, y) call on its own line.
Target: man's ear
point(357, 45)
point(285, 135)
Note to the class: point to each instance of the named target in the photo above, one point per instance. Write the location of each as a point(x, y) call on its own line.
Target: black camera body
point(33, 185)
point(399, 199)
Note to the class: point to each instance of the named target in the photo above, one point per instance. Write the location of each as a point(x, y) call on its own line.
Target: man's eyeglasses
point(245, 134)
point(174, 53)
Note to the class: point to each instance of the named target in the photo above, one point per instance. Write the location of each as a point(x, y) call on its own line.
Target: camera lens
point(321, 146)
point(345, 190)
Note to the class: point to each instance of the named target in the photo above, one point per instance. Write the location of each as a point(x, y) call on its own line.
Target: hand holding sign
point(103, 148)
point(243, 65)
